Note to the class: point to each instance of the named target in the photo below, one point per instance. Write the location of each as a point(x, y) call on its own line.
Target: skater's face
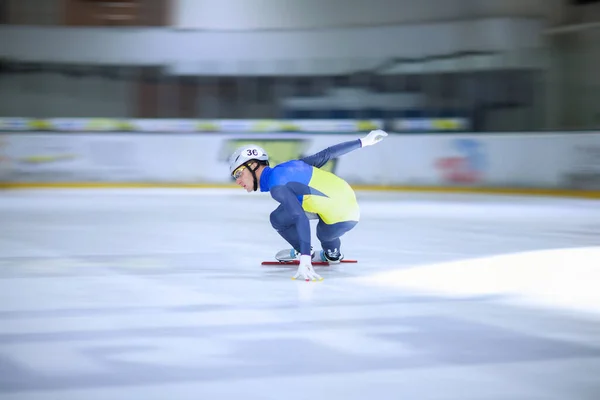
point(244, 178)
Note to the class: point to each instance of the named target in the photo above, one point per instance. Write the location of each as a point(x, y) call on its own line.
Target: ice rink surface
point(159, 294)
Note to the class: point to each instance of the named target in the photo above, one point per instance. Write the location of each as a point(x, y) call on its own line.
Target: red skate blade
point(296, 262)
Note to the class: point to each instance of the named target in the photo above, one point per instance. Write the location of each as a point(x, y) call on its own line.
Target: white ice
point(159, 294)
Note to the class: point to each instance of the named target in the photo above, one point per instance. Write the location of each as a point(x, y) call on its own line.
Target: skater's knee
point(279, 220)
point(274, 220)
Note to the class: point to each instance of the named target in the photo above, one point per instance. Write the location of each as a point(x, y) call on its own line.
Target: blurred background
point(461, 65)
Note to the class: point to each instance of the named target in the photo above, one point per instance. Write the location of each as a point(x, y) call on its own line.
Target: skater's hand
point(306, 271)
point(373, 137)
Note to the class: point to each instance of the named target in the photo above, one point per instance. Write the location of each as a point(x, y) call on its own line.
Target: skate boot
point(293, 255)
point(331, 256)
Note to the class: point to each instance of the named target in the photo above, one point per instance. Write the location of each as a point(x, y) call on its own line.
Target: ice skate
point(288, 255)
point(331, 256)
point(321, 258)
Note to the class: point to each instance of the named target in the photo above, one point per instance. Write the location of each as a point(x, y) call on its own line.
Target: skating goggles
point(238, 172)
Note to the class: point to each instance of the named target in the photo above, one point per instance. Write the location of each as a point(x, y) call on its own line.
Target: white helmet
point(243, 155)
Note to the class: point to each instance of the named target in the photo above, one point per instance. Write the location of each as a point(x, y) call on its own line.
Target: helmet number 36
point(251, 152)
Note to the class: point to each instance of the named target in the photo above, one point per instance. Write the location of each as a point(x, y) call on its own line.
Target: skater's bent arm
point(319, 159)
point(288, 199)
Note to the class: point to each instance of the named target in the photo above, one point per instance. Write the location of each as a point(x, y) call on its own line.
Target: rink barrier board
point(566, 164)
point(586, 194)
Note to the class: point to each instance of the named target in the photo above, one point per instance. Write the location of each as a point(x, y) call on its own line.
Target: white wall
point(236, 15)
point(46, 95)
point(265, 52)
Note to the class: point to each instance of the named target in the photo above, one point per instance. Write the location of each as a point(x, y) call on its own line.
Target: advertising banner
point(187, 125)
point(59, 158)
point(430, 124)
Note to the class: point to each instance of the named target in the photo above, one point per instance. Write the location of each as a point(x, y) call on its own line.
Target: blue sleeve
point(319, 159)
point(288, 199)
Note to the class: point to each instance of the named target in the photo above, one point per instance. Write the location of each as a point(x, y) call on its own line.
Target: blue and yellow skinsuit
point(301, 187)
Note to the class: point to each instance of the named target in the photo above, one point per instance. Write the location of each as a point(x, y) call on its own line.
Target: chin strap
point(255, 180)
point(253, 171)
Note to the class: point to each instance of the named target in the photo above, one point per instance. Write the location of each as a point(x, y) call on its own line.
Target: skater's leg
point(329, 236)
point(284, 225)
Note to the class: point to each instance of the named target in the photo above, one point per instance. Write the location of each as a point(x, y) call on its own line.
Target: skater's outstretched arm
point(321, 158)
point(284, 195)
